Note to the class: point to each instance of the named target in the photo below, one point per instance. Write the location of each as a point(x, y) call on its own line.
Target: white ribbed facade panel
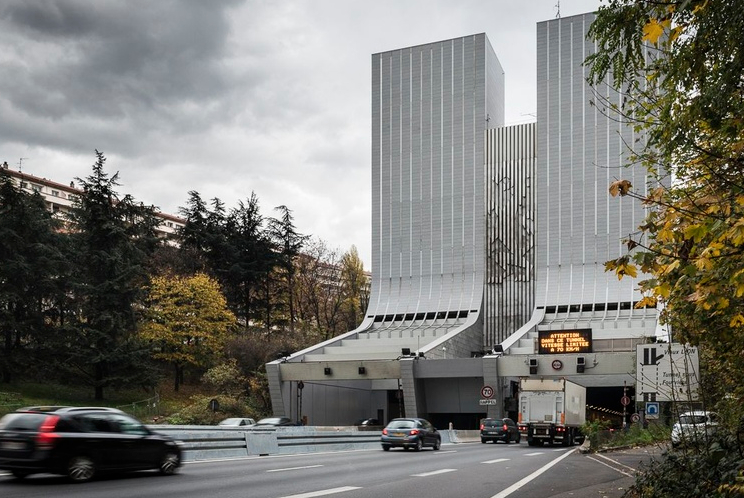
point(580, 152)
point(431, 105)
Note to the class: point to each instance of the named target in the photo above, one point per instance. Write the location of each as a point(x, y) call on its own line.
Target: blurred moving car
point(694, 427)
point(273, 422)
point(81, 442)
point(367, 422)
point(408, 433)
point(499, 429)
point(238, 422)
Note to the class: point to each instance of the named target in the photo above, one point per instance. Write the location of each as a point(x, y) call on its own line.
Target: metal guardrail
point(211, 442)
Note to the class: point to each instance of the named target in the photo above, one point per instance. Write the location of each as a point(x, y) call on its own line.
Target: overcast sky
point(232, 97)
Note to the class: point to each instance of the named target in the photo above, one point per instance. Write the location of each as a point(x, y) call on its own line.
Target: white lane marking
point(294, 468)
point(534, 454)
point(323, 492)
point(530, 477)
point(445, 452)
point(616, 462)
point(610, 466)
point(427, 474)
point(498, 460)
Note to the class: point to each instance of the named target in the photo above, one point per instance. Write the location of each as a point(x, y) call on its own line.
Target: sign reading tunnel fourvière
point(564, 341)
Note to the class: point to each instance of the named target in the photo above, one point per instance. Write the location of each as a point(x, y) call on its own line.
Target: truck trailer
point(553, 410)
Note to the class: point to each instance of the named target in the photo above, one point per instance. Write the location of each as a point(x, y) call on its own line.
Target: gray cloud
point(230, 97)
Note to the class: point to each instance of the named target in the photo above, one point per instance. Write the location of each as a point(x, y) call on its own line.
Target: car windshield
point(402, 424)
point(692, 419)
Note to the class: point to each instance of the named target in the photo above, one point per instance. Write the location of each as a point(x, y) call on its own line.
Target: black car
point(499, 429)
point(81, 442)
point(410, 433)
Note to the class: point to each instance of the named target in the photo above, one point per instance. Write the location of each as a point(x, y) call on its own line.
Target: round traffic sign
point(625, 400)
point(487, 392)
point(635, 417)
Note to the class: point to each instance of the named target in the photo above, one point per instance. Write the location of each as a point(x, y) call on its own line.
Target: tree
point(187, 321)
point(32, 262)
point(285, 236)
point(111, 240)
point(680, 65)
point(355, 286)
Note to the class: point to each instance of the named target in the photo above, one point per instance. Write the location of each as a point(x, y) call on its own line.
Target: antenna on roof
point(20, 164)
point(558, 9)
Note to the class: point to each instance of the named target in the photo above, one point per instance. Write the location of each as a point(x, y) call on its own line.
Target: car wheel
point(518, 438)
point(419, 445)
point(20, 474)
point(508, 439)
point(437, 444)
point(170, 463)
point(385, 447)
point(484, 441)
point(81, 469)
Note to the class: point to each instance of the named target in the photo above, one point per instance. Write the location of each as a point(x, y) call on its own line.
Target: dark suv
point(79, 442)
point(499, 429)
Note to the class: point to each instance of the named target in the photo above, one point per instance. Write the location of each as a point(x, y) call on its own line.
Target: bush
point(710, 471)
point(198, 412)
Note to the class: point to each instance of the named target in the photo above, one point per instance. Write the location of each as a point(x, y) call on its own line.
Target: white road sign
point(670, 371)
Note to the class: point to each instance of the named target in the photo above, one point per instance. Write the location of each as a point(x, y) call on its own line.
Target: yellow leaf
point(737, 321)
point(652, 31)
point(621, 187)
point(675, 33)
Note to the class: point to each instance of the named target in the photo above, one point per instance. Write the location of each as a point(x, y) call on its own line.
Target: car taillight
point(384, 431)
point(482, 426)
point(46, 437)
point(506, 427)
point(414, 432)
point(560, 429)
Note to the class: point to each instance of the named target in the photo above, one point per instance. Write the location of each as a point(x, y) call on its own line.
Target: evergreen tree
point(112, 239)
point(32, 261)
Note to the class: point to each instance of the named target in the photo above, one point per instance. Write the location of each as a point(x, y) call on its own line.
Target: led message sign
point(564, 341)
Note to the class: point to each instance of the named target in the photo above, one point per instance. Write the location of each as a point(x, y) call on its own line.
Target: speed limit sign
point(487, 392)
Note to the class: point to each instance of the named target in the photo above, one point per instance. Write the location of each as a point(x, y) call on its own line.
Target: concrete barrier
point(212, 442)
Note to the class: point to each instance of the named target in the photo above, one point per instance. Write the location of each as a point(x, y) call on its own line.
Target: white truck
point(553, 410)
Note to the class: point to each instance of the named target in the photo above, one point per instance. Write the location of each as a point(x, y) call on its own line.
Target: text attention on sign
point(565, 341)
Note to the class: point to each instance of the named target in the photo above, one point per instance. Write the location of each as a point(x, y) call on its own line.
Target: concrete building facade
point(486, 238)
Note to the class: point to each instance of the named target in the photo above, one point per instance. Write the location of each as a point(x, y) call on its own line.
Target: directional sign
point(487, 392)
point(652, 409)
point(669, 371)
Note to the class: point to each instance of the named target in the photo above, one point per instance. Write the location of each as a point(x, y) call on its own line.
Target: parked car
point(238, 422)
point(499, 429)
point(408, 433)
point(694, 427)
point(273, 422)
point(81, 442)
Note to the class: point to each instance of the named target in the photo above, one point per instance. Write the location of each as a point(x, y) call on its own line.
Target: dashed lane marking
point(427, 474)
point(294, 468)
point(324, 492)
point(498, 460)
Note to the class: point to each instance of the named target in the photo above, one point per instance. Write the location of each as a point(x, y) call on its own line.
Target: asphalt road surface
point(471, 470)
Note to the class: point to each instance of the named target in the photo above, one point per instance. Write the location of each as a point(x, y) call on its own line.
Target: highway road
point(471, 470)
